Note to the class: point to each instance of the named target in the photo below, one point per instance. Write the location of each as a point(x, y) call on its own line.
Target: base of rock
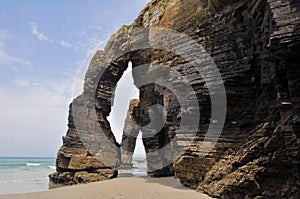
point(59, 179)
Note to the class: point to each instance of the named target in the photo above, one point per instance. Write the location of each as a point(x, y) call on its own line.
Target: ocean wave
point(33, 164)
point(23, 180)
point(9, 163)
point(52, 167)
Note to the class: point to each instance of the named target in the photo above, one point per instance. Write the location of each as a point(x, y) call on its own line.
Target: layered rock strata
point(130, 134)
point(255, 46)
point(89, 138)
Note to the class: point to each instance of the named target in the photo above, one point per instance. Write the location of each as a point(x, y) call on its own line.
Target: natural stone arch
point(100, 83)
point(148, 97)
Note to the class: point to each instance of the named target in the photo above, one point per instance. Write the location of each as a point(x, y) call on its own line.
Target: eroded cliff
point(255, 46)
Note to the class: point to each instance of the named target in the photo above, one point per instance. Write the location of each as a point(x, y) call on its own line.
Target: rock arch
point(255, 45)
point(90, 151)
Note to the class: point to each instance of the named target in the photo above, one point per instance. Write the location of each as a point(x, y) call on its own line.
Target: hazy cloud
point(91, 46)
point(65, 44)
point(7, 58)
point(33, 114)
point(96, 27)
point(61, 89)
point(5, 35)
point(35, 31)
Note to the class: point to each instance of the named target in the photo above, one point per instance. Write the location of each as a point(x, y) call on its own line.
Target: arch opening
point(125, 91)
point(126, 132)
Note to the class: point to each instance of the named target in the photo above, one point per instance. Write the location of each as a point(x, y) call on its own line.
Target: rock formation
point(255, 45)
point(130, 133)
point(88, 127)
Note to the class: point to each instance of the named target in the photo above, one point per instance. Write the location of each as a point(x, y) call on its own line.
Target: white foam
point(33, 164)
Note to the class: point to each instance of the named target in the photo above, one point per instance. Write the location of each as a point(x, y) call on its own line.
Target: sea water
point(139, 168)
point(25, 175)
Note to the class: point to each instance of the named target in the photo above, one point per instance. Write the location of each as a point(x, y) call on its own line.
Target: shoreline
point(122, 187)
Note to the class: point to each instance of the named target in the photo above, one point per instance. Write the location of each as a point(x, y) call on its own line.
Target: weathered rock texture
point(255, 45)
point(88, 127)
point(130, 133)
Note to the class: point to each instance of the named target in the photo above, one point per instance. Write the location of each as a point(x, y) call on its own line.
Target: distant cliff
point(255, 46)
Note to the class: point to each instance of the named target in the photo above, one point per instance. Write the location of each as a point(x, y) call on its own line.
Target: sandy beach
point(119, 188)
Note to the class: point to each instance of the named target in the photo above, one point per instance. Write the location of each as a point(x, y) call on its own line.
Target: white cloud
point(65, 44)
point(5, 57)
point(22, 82)
point(96, 27)
point(91, 46)
point(8, 59)
point(5, 35)
point(35, 31)
point(58, 90)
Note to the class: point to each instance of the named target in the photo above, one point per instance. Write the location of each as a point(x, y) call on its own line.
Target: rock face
point(255, 45)
point(130, 133)
point(88, 127)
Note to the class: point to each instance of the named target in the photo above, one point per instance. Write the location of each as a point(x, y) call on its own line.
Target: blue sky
point(43, 45)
